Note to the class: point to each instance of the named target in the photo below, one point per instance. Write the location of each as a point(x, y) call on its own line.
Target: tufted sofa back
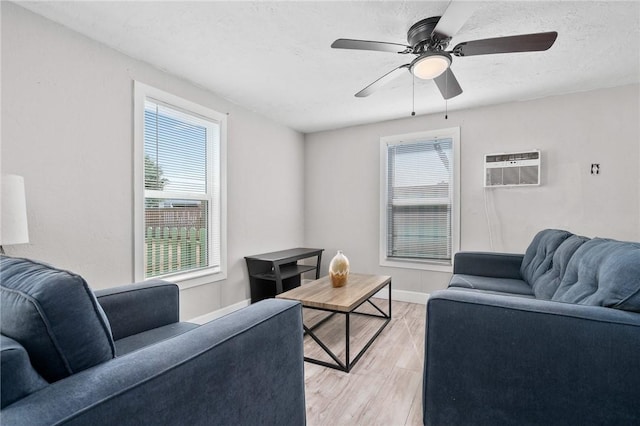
point(545, 286)
point(603, 272)
point(539, 255)
point(564, 267)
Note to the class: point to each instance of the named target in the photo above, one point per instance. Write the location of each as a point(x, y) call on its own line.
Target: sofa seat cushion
point(539, 255)
point(54, 315)
point(17, 377)
point(499, 293)
point(545, 286)
point(149, 337)
point(501, 285)
point(605, 273)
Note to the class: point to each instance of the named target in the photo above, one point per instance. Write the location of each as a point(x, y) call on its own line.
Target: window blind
point(419, 200)
point(180, 155)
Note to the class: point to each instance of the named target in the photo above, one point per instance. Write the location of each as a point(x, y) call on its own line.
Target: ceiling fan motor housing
point(419, 36)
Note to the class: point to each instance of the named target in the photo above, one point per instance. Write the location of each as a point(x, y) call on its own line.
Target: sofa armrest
point(134, 308)
point(243, 368)
point(486, 264)
point(492, 359)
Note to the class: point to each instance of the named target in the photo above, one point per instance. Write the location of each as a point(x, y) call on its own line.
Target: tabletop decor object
point(339, 269)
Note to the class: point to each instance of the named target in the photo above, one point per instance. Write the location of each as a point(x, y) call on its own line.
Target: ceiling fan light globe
point(430, 66)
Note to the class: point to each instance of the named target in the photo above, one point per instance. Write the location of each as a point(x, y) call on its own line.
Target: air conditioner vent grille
point(512, 169)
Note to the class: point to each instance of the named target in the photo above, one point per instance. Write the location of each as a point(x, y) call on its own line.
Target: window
point(419, 217)
point(180, 187)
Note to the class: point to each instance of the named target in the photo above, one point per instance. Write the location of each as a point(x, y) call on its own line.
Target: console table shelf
point(286, 271)
point(279, 271)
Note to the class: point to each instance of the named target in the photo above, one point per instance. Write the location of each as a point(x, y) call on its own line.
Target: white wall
point(573, 131)
point(67, 128)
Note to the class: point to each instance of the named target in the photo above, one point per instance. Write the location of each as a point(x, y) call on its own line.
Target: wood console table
point(279, 271)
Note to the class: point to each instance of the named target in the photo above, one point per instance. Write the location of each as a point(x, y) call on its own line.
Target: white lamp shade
point(429, 66)
point(13, 222)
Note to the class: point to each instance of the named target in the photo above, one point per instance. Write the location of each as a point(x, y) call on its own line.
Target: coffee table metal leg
point(347, 342)
point(389, 299)
point(375, 336)
point(340, 365)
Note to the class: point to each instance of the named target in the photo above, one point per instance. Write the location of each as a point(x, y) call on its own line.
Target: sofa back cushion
point(17, 377)
point(55, 316)
point(545, 286)
point(539, 255)
point(603, 273)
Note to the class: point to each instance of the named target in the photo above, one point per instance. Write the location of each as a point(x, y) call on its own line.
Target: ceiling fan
point(428, 40)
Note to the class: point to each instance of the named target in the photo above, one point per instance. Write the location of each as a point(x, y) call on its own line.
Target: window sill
point(412, 264)
point(195, 278)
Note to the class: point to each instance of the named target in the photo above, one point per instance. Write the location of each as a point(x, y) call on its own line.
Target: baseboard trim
point(397, 295)
point(403, 296)
point(220, 312)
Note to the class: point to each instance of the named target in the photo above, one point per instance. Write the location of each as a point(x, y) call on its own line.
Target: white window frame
point(217, 220)
point(452, 133)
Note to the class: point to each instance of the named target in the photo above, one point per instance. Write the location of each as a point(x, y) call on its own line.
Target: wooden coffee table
point(321, 295)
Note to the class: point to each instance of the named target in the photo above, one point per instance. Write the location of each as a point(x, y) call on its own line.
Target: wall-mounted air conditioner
point(512, 169)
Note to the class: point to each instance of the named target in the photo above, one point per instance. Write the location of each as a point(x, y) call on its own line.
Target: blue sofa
point(122, 357)
point(549, 337)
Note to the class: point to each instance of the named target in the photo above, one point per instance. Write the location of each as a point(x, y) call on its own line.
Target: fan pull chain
point(413, 95)
point(446, 102)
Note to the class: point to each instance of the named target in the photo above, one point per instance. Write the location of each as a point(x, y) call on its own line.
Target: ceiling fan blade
point(381, 46)
point(453, 19)
point(448, 84)
point(520, 43)
point(391, 75)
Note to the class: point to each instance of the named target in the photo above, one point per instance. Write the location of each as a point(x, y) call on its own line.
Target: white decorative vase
point(339, 269)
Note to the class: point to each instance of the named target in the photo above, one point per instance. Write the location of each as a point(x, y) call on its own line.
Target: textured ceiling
point(275, 57)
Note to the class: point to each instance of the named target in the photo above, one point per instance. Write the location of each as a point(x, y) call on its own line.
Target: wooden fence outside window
point(174, 249)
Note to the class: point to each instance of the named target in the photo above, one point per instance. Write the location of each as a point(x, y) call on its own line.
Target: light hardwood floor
point(385, 386)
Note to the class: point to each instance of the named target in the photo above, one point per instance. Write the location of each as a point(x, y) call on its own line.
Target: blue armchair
point(123, 357)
